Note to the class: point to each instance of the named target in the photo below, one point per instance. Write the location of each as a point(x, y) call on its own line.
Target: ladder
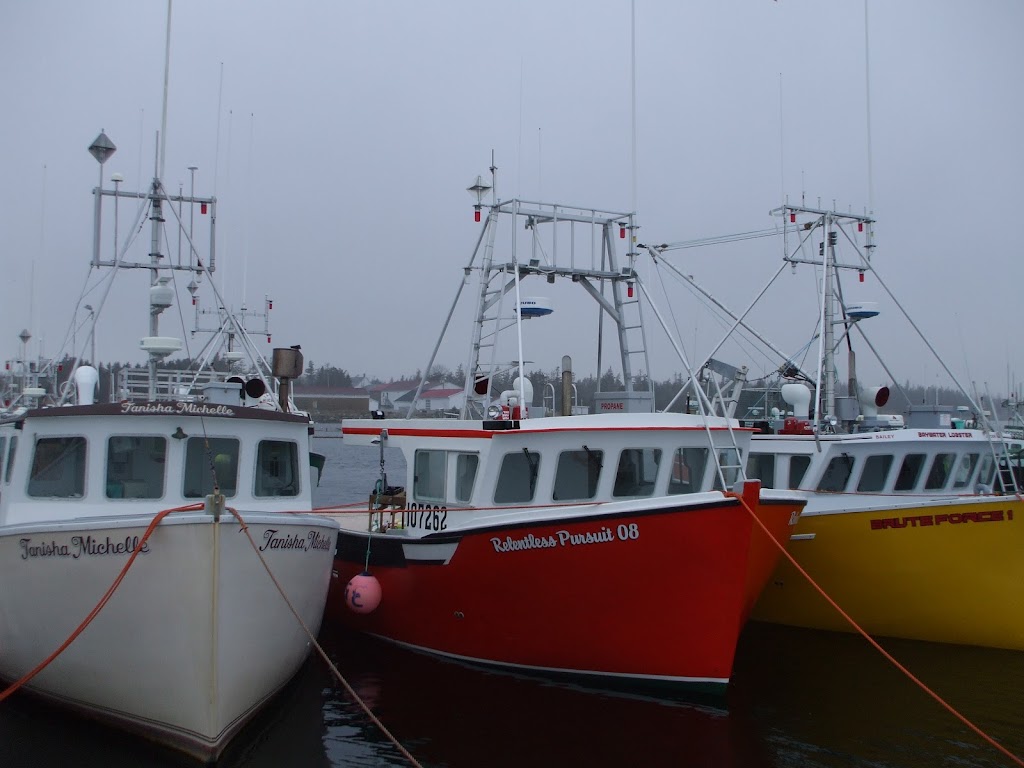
point(562, 242)
point(1004, 462)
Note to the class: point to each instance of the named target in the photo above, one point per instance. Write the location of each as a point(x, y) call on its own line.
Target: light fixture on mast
point(479, 189)
point(101, 149)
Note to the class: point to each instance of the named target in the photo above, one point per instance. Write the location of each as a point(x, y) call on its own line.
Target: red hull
point(658, 594)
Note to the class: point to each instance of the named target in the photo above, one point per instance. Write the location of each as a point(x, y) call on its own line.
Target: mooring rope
point(157, 519)
point(948, 707)
point(319, 649)
point(99, 606)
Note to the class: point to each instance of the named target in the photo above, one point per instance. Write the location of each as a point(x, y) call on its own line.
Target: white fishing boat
point(622, 545)
point(162, 568)
point(913, 524)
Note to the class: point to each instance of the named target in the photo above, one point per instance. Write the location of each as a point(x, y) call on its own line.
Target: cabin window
point(428, 480)
point(836, 474)
point(798, 466)
point(10, 459)
point(577, 474)
point(135, 467)
point(910, 470)
point(58, 468)
point(277, 468)
point(207, 459)
point(875, 473)
point(687, 470)
point(761, 466)
point(942, 467)
point(466, 465)
point(986, 475)
point(3, 448)
point(637, 471)
point(729, 461)
point(517, 478)
point(965, 470)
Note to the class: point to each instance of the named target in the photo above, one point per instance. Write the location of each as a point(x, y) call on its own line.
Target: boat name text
point(563, 538)
point(314, 540)
point(940, 433)
point(920, 521)
point(177, 409)
point(80, 546)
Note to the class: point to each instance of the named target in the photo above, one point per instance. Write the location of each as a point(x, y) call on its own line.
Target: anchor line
point(948, 707)
point(99, 605)
point(319, 649)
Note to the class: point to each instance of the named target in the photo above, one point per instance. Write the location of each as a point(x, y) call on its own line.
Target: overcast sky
point(340, 137)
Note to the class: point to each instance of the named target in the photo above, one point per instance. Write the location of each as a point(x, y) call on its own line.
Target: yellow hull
point(946, 572)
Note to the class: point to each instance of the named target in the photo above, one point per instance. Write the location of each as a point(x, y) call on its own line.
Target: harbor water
point(797, 698)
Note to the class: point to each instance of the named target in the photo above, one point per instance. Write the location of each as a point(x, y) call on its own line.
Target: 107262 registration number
point(426, 517)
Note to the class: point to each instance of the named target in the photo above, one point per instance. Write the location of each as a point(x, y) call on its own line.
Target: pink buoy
point(363, 593)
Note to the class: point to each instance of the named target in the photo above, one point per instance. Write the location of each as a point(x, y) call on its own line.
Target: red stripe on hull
point(654, 595)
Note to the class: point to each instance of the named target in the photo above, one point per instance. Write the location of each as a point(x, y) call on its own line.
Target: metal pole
point(92, 334)
point(117, 188)
point(192, 213)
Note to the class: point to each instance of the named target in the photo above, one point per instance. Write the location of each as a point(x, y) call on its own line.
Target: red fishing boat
point(622, 544)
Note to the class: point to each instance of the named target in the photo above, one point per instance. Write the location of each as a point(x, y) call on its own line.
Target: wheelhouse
point(104, 464)
point(552, 463)
point(877, 466)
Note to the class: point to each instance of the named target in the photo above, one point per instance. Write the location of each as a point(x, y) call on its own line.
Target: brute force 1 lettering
point(955, 518)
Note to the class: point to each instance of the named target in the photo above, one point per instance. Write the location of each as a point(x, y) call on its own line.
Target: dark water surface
point(798, 698)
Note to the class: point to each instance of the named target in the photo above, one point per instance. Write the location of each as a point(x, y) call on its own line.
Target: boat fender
point(363, 593)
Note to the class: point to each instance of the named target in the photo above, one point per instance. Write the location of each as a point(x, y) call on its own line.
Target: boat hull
point(194, 639)
point(946, 571)
point(655, 591)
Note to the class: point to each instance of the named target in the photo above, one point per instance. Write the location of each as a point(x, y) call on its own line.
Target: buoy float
point(362, 593)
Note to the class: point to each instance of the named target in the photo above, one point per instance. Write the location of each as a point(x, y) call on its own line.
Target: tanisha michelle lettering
point(312, 540)
point(81, 546)
point(182, 408)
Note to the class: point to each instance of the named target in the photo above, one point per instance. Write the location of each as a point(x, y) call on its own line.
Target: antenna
point(867, 98)
point(632, 94)
point(227, 183)
point(216, 143)
point(142, 125)
point(782, 145)
point(42, 249)
point(167, 75)
point(248, 218)
point(519, 150)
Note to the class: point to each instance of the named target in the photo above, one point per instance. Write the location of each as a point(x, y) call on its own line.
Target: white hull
point(194, 639)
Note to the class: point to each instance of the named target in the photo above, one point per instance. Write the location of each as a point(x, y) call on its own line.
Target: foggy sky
point(340, 137)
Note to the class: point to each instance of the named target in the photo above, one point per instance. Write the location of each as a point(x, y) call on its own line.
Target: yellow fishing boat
point(913, 523)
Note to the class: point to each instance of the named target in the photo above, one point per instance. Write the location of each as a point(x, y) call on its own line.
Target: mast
point(829, 225)
point(828, 362)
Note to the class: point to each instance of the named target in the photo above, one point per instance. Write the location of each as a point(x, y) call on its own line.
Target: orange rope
point(878, 647)
point(319, 650)
point(102, 602)
point(124, 571)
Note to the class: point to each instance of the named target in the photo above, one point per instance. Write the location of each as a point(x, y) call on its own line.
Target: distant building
point(386, 397)
point(437, 401)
